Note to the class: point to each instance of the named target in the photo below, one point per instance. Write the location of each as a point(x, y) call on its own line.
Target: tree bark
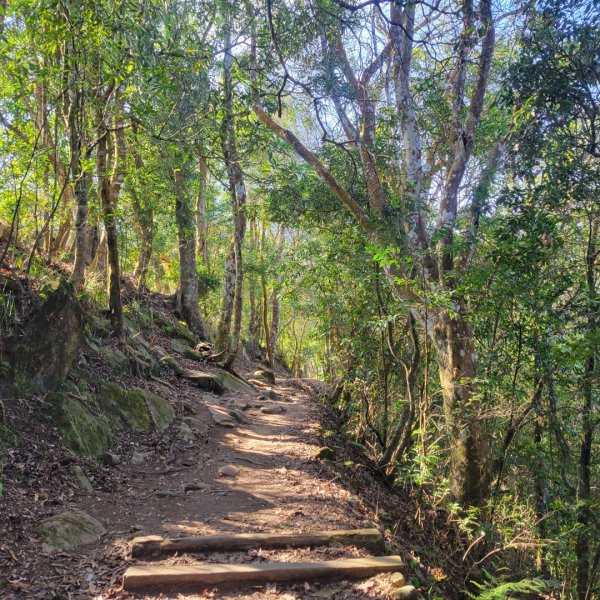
point(110, 165)
point(238, 193)
point(143, 215)
point(187, 295)
point(80, 182)
point(454, 343)
point(588, 422)
point(451, 334)
point(201, 213)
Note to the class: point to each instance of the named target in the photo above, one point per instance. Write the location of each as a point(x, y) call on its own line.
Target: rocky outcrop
point(45, 353)
point(86, 432)
point(88, 422)
point(135, 407)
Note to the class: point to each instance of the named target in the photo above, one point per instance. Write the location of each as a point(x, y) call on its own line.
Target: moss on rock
point(69, 530)
point(43, 357)
point(81, 430)
point(87, 423)
point(161, 411)
point(125, 407)
point(180, 331)
point(135, 407)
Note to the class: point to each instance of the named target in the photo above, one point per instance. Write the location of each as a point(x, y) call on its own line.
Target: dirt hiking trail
point(237, 463)
point(259, 475)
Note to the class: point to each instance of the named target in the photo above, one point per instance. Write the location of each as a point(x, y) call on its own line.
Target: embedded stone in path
point(265, 374)
point(139, 577)
point(68, 530)
point(81, 479)
point(221, 418)
point(272, 410)
point(228, 471)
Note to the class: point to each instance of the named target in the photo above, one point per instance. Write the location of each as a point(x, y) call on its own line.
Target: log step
point(153, 545)
point(211, 574)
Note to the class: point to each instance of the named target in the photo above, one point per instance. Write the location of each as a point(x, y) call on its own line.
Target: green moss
point(180, 331)
point(87, 423)
point(115, 358)
point(125, 407)
point(161, 411)
point(81, 430)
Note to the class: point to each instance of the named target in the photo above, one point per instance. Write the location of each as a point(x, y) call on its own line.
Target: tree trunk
point(588, 423)
point(224, 326)
point(80, 179)
point(110, 165)
point(274, 329)
point(201, 210)
point(254, 326)
point(143, 215)
point(188, 275)
point(469, 452)
point(237, 191)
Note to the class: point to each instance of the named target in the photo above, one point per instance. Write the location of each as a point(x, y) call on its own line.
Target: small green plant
point(495, 587)
point(8, 311)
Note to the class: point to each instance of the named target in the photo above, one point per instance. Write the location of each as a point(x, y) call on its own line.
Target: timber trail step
point(203, 574)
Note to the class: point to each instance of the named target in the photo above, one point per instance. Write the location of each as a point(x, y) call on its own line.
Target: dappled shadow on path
point(276, 485)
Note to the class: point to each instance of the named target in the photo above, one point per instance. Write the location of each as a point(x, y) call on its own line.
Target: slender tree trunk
point(80, 180)
point(265, 316)
point(254, 321)
point(469, 452)
point(401, 437)
point(588, 423)
point(188, 275)
point(201, 213)
point(143, 215)
point(224, 326)
point(275, 312)
point(110, 165)
point(237, 190)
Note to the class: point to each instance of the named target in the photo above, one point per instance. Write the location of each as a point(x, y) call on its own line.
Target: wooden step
point(153, 545)
point(212, 574)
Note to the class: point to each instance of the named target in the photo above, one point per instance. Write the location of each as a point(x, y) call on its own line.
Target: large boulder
point(43, 356)
point(68, 530)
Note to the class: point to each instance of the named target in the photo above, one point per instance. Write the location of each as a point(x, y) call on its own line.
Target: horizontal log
point(211, 574)
point(152, 545)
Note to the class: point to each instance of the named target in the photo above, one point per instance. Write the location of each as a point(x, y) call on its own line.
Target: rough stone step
point(140, 577)
point(154, 545)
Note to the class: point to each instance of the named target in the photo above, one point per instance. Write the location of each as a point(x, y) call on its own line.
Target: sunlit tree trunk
point(143, 215)
point(237, 189)
point(110, 166)
point(451, 332)
point(201, 212)
point(188, 274)
point(80, 182)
